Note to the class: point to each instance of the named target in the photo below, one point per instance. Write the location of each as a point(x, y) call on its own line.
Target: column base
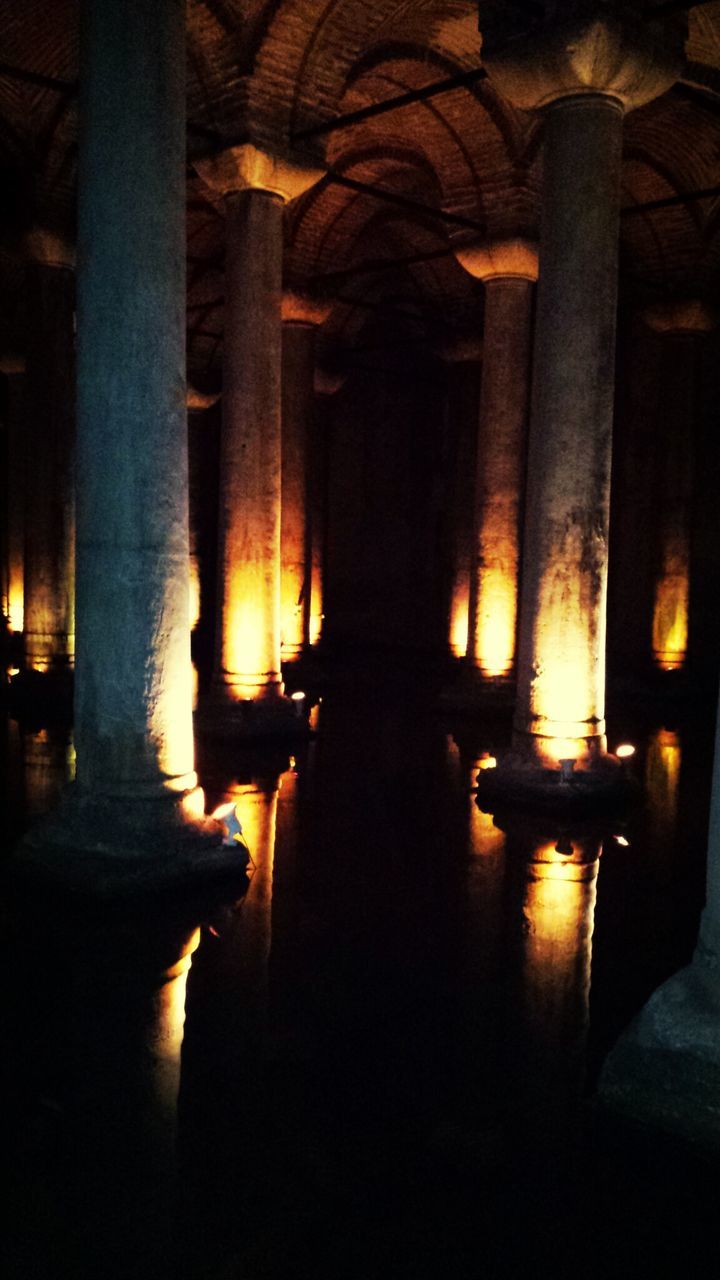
point(252, 719)
point(664, 1071)
point(115, 847)
point(606, 785)
point(474, 691)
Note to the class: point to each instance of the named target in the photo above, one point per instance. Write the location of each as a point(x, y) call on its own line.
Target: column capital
point(48, 248)
point(513, 259)
point(681, 316)
point(299, 307)
point(592, 50)
point(250, 168)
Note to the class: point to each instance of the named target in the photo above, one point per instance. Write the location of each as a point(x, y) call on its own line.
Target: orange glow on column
point(194, 593)
point(291, 610)
point(495, 630)
point(564, 719)
point(15, 605)
point(459, 615)
point(670, 613)
point(251, 663)
point(559, 910)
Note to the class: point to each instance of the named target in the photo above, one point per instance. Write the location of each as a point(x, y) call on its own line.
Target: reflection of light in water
point(166, 1033)
point(49, 762)
point(670, 612)
point(559, 912)
point(662, 776)
point(257, 809)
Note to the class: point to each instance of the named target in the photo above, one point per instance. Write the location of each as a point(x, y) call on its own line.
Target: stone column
point(508, 270)
point(463, 356)
point(582, 71)
point(13, 367)
point(327, 385)
point(255, 186)
point(301, 317)
point(680, 323)
point(135, 814)
point(49, 455)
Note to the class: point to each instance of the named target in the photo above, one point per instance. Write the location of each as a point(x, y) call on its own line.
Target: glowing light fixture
point(226, 814)
point(622, 840)
point(487, 762)
point(625, 752)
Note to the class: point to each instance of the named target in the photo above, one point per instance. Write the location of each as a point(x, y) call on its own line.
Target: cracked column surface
point(582, 72)
point(135, 814)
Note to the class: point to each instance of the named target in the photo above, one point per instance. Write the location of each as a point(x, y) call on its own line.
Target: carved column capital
point(593, 49)
point(250, 168)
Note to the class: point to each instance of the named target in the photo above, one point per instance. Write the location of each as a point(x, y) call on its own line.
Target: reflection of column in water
point(127, 1063)
point(246, 938)
point(100, 1052)
point(49, 762)
point(283, 972)
point(555, 950)
point(662, 776)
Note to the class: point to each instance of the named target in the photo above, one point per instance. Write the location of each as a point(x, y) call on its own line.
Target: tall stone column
point(13, 367)
point(680, 325)
point(508, 270)
point(463, 356)
point(583, 71)
point(301, 317)
point(247, 675)
point(135, 814)
point(327, 385)
point(49, 453)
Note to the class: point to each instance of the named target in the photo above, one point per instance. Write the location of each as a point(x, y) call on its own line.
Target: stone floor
point(381, 1060)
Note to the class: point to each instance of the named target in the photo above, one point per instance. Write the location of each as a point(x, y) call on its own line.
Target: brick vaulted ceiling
point(273, 69)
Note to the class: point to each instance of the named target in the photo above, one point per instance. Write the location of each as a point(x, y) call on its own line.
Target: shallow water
point(377, 1058)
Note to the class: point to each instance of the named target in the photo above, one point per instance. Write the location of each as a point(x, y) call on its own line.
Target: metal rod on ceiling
point(404, 202)
point(668, 201)
point(433, 90)
point(36, 77)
